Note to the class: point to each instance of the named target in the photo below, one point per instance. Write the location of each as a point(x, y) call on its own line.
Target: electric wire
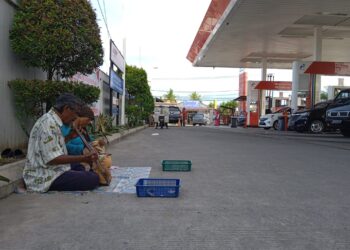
point(190, 91)
point(104, 10)
point(104, 18)
point(193, 78)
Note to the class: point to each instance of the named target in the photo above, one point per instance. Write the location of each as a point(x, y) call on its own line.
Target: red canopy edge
point(323, 68)
point(274, 85)
point(214, 12)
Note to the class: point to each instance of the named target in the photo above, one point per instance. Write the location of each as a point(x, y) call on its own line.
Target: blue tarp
point(192, 104)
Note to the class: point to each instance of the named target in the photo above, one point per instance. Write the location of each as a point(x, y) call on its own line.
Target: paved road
point(249, 189)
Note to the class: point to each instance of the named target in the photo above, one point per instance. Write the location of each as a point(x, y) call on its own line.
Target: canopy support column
point(262, 96)
point(315, 96)
point(295, 86)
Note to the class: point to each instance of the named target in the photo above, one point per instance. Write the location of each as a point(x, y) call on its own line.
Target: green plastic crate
point(176, 165)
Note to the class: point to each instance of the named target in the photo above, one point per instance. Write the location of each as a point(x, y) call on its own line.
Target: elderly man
point(48, 163)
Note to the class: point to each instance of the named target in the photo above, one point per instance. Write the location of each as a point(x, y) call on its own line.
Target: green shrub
point(134, 114)
point(33, 98)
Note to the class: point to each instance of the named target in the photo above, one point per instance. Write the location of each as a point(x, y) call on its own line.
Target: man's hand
point(101, 143)
point(90, 157)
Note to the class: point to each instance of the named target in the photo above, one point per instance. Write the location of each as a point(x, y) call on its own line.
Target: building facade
point(11, 67)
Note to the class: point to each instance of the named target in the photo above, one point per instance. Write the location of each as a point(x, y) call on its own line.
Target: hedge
point(32, 98)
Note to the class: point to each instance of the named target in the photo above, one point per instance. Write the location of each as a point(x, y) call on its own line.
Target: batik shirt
point(46, 142)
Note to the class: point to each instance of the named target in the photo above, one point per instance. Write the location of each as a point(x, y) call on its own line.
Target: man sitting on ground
point(48, 163)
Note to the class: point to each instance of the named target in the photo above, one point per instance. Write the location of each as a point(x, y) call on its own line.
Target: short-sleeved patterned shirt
point(46, 142)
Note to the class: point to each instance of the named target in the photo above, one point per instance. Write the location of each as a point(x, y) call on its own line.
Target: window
point(343, 95)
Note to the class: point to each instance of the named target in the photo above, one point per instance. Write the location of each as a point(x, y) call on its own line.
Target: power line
point(190, 91)
point(104, 18)
point(104, 10)
point(179, 98)
point(193, 78)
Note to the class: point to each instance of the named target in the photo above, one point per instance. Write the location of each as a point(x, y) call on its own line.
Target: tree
point(142, 104)
point(170, 96)
point(195, 96)
point(211, 105)
point(228, 108)
point(324, 96)
point(61, 37)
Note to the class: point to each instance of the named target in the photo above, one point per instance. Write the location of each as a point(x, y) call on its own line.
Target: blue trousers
point(76, 179)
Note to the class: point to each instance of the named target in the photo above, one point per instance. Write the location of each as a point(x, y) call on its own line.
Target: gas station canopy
point(240, 33)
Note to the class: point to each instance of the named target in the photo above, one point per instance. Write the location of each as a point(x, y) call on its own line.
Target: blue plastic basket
point(158, 187)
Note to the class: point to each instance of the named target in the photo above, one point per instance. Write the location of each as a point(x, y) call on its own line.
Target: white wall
point(11, 135)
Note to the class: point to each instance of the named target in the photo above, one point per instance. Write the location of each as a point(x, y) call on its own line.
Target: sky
point(158, 35)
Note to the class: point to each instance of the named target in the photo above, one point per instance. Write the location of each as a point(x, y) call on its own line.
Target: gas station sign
point(329, 68)
point(274, 85)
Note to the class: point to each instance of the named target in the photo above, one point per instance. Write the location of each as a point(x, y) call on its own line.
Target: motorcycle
point(161, 121)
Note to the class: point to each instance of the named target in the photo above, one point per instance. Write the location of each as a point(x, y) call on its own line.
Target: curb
point(121, 135)
point(14, 170)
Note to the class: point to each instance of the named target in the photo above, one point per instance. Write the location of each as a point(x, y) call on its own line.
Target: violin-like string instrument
point(103, 173)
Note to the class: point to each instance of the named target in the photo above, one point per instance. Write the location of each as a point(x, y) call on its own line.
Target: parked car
point(271, 120)
point(339, 118)
point(199, 119)
point(174, 114)
point(207, 119)
point(241, 119)
point(314, 120)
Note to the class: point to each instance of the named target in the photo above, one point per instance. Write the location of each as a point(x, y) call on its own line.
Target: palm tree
point(195, 96)
point(211, 105)
point(170, 96)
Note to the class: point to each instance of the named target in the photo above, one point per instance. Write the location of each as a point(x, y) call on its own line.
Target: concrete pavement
point(14, 170)
point(247, 190)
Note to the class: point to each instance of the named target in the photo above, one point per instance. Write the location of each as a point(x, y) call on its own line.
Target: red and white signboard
point(274, 85)
point(92, 79)
point(329, 68)
point(342, 69)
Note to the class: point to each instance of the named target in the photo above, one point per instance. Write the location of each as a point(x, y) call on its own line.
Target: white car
point(271, 120)
point(199, 119)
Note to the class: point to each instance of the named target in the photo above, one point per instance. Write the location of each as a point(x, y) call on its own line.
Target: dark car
point(174, 114)
point(339, 118)
point(314, 120)
point(241, 119)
